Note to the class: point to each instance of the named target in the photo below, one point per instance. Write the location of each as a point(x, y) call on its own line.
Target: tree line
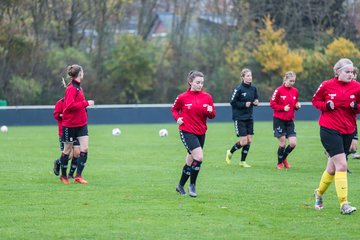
point(39, 39)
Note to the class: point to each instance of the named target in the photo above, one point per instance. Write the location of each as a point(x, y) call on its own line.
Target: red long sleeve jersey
point(343, 117)
point(74, 114)
point(59, 107)
point(281, 97)
point(192, 107)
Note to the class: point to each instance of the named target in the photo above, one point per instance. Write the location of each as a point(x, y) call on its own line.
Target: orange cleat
point(280, 166)
point(79, 179)
point(286, 164)
point(64, 180)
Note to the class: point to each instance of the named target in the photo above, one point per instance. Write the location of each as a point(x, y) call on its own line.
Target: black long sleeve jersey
point(243, 93)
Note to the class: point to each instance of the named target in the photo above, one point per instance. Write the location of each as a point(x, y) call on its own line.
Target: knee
point(292, 144)
point(199, 158)
point(84, 149)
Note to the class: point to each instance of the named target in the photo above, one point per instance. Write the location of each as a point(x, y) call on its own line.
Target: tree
point(275, 56)
point(131, 69)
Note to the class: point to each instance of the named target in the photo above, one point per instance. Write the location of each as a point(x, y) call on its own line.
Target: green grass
point(131, 191)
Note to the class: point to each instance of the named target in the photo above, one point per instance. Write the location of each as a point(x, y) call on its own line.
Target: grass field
point(131, 191)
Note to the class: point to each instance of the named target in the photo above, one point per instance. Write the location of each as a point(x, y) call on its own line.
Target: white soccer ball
point(116, 132)
point(4, 129)
point(163, 133)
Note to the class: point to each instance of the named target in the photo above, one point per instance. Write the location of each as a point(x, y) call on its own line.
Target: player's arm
point(211, 112)
point(319, 101)
point(58, 110)
point(70, 100)
point(274, 101)
point(236, 101)
point(176, 108)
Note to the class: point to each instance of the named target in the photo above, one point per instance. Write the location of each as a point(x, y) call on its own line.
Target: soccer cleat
point(79, 179)
point(318, 200)
point(347, 209)
point(64, 180)
point(356, 155)
point(280, 166)
point(192, 190)
point(228, 157)
point(286, 164)
point(180, 189)
point(348, 171)
point(56, 167)
point(244, 164)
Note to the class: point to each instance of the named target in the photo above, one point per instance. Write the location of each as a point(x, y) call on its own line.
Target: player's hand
point(330, 105)
point(298, 105)
point(209, 108)
point(180, 121)
point(354, 105)
point(256, 102)
point(287, 108)
point(91, 102)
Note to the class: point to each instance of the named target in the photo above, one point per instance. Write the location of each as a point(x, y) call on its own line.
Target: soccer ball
point(4, 129)
point(116, 132)
point(163, 133)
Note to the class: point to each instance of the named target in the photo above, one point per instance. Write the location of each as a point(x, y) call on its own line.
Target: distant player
point(243, 99)
point(74, 124)
point(191, 109)
point(59, 107)
point(284, 102)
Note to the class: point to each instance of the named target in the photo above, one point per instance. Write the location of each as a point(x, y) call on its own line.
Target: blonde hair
point(243, 73)
point(288, 75)
point(341, 64)
point(356, 72)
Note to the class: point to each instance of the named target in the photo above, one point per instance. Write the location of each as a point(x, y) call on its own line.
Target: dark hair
point(193, 74)
point(73, 70)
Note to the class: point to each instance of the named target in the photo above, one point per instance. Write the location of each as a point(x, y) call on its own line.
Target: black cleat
point(56, 167)
point(180, 189)
point(192, 190)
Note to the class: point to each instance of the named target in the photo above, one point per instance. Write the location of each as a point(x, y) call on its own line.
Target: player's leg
point(83, 138)
point(240, 131)
point(291, 135)
point(68, 138)
point(75, 155)
point(246, 143)
point(57, 164)
point(279, 133)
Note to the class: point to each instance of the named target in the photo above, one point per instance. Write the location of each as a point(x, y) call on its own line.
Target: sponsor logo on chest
point(332, 95)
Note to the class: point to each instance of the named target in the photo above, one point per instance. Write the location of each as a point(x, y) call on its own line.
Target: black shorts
point(244, 127)
point(335, 142)
point(192, 141)
point(283, 128)
point(70, 135)
point(61, 142)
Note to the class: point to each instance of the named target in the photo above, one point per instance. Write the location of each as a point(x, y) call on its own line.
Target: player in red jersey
point(74, 154)
point(74, 123)
point(354, 142)
point(191, 109)
point(284, 102)
point(337, 99)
